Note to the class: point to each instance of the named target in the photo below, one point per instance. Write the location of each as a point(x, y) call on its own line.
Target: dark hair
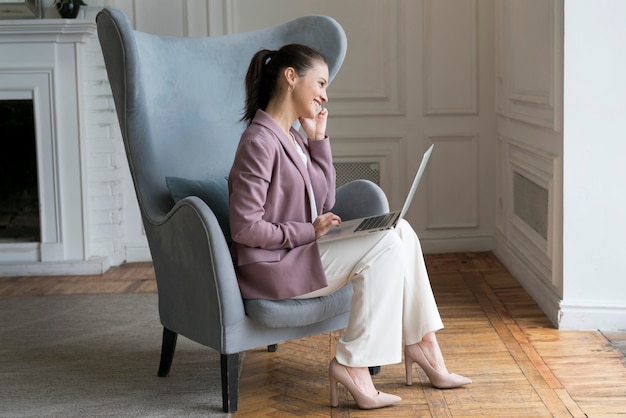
point(265, 68)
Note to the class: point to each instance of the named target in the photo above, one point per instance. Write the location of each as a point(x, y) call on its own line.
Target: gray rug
point(97, 356)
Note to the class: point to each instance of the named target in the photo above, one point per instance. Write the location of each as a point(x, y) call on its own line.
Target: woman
point(282, 186)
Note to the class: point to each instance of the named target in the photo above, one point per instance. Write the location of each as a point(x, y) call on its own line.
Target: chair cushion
point(213, 191)
point(299, 312)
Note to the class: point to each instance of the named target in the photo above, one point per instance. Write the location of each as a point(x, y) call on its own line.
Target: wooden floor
point(495, 334)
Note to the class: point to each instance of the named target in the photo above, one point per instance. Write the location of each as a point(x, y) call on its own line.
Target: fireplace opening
point(19, 192)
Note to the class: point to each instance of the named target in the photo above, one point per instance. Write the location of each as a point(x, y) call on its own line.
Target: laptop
point(382, 222)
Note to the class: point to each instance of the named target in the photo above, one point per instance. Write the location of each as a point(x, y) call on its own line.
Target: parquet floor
point(495, 334)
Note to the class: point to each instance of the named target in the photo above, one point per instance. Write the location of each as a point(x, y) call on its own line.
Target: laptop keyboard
point(374, 222)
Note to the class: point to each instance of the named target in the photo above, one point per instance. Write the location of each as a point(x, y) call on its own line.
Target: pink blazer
point(274, 248)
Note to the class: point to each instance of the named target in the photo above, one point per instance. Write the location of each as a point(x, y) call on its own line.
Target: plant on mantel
point(69, 8)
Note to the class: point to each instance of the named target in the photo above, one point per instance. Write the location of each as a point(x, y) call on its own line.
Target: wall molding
point(544, 169)
point(464, 70)
point(515, 97)
point(462, 148)
point(385, 96)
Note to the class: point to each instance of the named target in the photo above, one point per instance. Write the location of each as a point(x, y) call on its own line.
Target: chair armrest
point(198, 292)
point(360, 198)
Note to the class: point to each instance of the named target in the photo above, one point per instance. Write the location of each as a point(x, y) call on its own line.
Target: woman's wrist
point(318, 137)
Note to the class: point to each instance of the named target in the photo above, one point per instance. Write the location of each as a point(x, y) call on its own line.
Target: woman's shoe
point(437, 379)
point(339, 373)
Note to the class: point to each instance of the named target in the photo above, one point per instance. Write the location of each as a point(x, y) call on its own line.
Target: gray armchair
point(178, 102)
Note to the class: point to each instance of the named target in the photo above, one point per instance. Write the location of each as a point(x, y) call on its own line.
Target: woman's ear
point(290, 76)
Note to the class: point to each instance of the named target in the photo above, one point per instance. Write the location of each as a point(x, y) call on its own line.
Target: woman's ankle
point(362, 379)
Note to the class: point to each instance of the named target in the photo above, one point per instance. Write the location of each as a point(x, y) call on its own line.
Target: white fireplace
point(40, 60)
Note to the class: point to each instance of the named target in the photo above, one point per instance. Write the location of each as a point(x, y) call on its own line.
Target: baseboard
point(580, 316)
point(95, 266)
point(564, 315)
point(138, 253)
point(456, 244)
point(542, 293)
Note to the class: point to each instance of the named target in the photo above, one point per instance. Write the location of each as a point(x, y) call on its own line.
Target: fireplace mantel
point(42, 60)
point(46, 30)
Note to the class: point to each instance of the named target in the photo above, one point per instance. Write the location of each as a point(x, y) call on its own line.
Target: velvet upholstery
point(213, 191)
point(178, 102)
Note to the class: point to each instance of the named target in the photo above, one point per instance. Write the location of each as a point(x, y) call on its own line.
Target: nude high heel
point(437, 379)
point(339, 373)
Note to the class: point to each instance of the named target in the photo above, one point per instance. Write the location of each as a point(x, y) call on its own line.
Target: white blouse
point(311, 194)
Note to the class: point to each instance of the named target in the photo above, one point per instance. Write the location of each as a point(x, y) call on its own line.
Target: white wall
point(594, 192)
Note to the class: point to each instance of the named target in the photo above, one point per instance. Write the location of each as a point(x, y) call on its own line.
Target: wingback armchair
point(178, 102)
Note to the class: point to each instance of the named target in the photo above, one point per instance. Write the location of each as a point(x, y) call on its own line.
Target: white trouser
point(392, 294)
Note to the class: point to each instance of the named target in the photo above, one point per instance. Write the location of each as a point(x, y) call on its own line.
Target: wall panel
point(528, 82)
point(450, 57)
point(452, 190)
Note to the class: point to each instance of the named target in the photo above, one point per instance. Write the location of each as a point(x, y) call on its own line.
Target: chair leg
point(374, 370)
point(272, 348)
point(230, 381)
point(167, 351)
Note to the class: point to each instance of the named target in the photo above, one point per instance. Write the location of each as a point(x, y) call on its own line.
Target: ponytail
point(257, 87)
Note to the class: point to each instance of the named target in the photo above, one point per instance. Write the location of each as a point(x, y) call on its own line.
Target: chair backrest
point(179, 100)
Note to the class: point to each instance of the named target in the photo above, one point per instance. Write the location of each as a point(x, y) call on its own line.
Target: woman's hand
point(315, 128)
point(324, 222)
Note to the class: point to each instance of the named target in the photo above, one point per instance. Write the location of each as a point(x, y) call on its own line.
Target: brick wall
point(105, 159)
